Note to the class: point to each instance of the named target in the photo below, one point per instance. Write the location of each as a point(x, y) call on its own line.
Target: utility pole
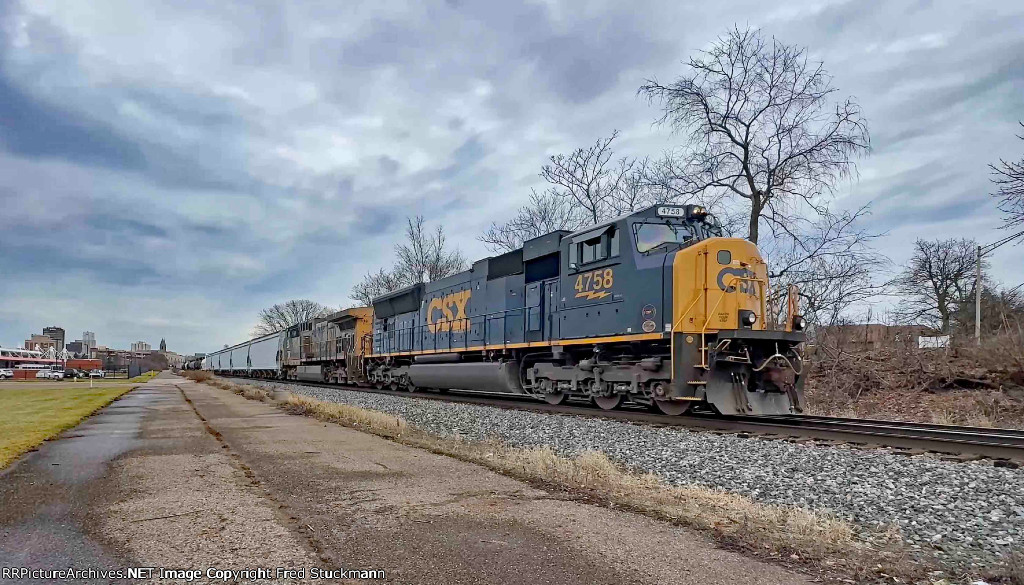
point(981, 252)
point(977, 296)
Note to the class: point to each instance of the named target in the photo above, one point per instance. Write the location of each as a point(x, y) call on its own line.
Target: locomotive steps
point(815, 543)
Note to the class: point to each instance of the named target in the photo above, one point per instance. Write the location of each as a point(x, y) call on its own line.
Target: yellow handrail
point(707, 317)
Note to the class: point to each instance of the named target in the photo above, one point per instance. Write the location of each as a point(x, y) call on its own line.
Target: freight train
point(653, 308)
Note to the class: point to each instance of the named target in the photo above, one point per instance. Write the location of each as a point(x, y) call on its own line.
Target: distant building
point(163, 344)
point(56, 334)
point(77, 348)
point(173, 360)
point(140, 347)
point(872, 335)
point(89, 340)
point(40, 342)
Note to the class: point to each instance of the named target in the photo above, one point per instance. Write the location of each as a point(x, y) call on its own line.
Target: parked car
point(96, 374)
point(73, 373)
point(6, 374)
point(44, 374)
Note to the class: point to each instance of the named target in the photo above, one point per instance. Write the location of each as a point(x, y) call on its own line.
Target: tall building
point(89, 340)
point(140, 346)
point(163, 344)
point(56, 334)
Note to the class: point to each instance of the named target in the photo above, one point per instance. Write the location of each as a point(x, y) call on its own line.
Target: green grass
point(32, 415)
point(145, 377)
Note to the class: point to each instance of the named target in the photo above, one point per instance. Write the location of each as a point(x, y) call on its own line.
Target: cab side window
point(595, 249)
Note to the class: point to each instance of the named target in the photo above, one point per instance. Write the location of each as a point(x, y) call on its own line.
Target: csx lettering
point(737, 279)
point(448, 313)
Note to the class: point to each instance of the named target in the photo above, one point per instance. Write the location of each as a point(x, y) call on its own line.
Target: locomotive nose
point(721, 285)
point(722, 349)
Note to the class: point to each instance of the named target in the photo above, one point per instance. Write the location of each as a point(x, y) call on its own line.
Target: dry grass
point(816, 541)
point(1015, 575)
point(780, 530)
point(379, 423)
point(1011, 574)
point(197, 375)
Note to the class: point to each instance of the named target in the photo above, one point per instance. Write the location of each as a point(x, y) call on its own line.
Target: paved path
point(183, 475)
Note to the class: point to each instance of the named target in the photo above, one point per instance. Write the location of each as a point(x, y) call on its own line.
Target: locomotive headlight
point(799, 323)
point(747, 319)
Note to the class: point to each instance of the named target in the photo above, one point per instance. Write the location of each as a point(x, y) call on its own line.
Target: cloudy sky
point(169, 168)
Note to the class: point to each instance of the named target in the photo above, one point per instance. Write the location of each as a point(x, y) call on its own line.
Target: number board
point(671, 212)
point(594, 284)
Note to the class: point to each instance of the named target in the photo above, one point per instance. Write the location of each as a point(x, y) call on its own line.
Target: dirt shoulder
point(363, 502)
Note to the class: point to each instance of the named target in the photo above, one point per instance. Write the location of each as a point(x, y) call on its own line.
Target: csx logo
point(448, 313)
point(737, 278)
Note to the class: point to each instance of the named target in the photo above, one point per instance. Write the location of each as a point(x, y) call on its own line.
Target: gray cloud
point(169, 168)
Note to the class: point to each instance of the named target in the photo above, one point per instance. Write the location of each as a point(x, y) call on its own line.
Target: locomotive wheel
point(555, 397)
point(608, 402)
point(670, 407)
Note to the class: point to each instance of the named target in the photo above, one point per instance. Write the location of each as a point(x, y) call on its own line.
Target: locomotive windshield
point(651, 236)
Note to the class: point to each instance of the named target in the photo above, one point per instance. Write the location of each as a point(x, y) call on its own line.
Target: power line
point(980, 253)
point(990, 247)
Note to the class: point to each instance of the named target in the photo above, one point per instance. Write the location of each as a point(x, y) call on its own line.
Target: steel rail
point(909, 437)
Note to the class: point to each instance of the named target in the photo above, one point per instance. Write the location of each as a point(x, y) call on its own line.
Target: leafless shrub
point(963, 384)
point(197, 375)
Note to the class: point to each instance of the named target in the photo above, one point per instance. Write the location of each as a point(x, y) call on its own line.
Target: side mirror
point(572, 266)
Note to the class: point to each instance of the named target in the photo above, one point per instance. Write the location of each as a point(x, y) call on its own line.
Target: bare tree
point(423, 257)
point(938, 279)
point(1009, 180)
point(587, 177)
point(284, 315)
point(376, 284)
point(1002, 310)
point(546, 212)
point(830, 260)
point(587, 186)
point(759, 124)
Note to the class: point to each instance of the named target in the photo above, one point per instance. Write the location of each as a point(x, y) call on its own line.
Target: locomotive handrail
point(391, 340)
point(704, 329)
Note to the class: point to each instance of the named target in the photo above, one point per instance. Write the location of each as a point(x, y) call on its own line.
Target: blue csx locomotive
point(654, 307)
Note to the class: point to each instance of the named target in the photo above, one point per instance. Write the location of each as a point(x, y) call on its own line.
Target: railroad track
point(1006, 446)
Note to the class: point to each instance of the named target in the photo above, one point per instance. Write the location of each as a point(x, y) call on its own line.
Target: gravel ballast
point(965, 514)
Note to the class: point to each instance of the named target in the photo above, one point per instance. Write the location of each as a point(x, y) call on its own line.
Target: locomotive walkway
point(182, 475)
